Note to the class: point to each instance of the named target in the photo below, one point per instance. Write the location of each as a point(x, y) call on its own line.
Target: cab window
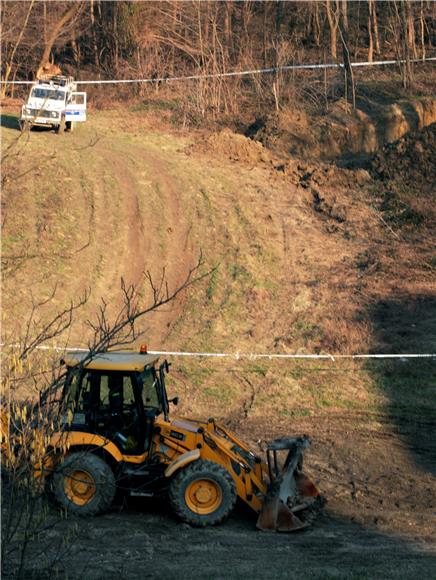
point(149, 383)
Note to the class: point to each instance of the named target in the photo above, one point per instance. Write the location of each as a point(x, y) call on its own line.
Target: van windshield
point(39, 93)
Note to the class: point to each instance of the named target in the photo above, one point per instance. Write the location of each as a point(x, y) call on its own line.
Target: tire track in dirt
point(132, 240)
point(176, 255)
point(144, 243)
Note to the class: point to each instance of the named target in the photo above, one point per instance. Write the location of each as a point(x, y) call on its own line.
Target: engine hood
point(45, 104)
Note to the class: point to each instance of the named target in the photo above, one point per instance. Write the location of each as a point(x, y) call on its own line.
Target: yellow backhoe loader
point(114, 431)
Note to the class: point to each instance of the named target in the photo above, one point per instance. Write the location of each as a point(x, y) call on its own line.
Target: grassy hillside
point(308, 258)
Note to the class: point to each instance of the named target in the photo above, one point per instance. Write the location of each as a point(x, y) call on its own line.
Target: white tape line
point(252, 356)
point(237, 73)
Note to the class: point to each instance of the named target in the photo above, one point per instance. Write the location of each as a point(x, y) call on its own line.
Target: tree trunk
point(316, 24)
point(56, 30)
point(350, 90)
point(422, 29)
point(375, 26)
point(115, 33)
point(76, 49)
point(370, 40)
point(373, 36)
point(276, 84)
point(44, 6)
point(411, 38)
point(94, 36)
point(344, 13)
point(332, 17)
point(228, 26)
point(265, 34)
point(405, 45)
point(10, 61)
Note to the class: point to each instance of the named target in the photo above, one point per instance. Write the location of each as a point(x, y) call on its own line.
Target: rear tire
point(84, 484)
point(61, 127)
point(202, 494)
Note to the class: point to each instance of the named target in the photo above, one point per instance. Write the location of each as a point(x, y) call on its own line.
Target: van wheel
point(24, 126)
point(84, 484)
point(203, 493)
point(61, 127)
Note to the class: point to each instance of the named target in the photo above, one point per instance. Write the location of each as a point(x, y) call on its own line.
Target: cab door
point(76, 109)
point(106, 403)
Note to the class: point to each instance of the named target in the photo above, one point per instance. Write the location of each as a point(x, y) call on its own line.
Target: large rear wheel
point(203, 493)
point(84, 484)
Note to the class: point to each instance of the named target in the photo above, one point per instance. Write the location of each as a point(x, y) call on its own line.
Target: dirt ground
point(378, 522)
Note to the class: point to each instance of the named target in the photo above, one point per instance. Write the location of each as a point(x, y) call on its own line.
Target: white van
point(54, 102)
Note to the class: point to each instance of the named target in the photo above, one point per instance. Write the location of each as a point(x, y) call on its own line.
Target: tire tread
point(203, 469)
point(102, 474)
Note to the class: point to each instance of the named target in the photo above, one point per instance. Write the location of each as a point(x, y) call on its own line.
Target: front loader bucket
point(292, 500)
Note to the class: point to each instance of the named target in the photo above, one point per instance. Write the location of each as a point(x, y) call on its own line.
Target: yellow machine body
point(115, 432)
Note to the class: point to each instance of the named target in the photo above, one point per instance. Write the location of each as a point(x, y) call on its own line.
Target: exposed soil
point(342, 133)
point(309, 257)
point(378, 522)
point(233, 146)
point(410, 161)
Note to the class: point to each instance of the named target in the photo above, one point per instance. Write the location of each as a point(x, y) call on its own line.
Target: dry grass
point(303, 262)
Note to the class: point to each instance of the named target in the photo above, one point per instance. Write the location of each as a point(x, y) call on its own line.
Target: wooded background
point(96, 39)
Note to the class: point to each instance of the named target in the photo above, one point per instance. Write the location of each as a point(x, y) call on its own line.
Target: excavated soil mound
point(232, 146)
point(406, 172)
point(411, 160)
point(341, 133)
point(287, 134)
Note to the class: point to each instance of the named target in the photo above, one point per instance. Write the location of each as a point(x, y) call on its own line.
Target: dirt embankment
point(410, 161)
point(341, 133)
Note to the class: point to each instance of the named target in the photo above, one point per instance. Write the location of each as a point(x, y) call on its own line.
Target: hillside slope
point(308, 258)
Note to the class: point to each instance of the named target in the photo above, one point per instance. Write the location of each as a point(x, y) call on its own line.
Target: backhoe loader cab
point(116, 432)
point(116, 396)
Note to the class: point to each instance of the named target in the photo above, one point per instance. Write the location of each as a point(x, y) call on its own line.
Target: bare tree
point(9, 58)
point(333, 20)
point(400, 25)
point(159, 39)
point(27, 425)
point(56, 28)
point(350, 90)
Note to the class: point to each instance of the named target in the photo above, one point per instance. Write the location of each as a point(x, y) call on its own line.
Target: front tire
point(202, 494)
point(24, 125)
point(84, 484)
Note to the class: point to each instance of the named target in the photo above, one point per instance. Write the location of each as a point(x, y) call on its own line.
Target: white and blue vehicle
point(54, 102)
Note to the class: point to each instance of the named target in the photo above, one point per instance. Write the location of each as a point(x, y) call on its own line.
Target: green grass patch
point(213, 283)
point(220, 393)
